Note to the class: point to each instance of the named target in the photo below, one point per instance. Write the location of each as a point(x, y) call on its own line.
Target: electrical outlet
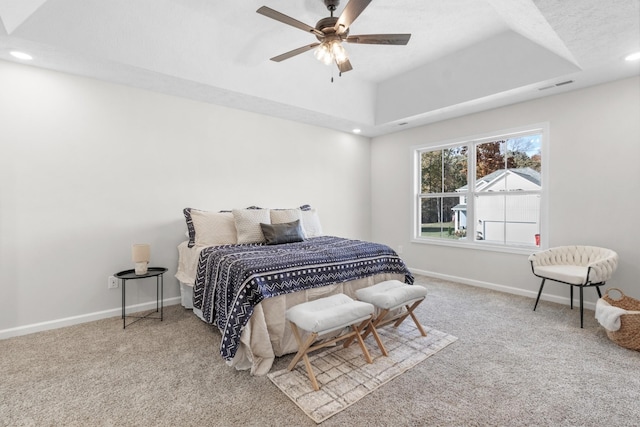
point(112, 282)
point(400, 249)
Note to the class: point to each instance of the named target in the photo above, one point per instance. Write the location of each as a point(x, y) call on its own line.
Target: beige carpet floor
point(509, 367)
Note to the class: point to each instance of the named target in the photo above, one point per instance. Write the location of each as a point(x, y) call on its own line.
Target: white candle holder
point(141, 268)
point(141, 254)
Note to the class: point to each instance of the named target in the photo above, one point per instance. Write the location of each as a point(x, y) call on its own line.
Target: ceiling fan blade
point(397, 39)
point(345, 66)
point(294, 52)
point(351, 11)
point(274, 14)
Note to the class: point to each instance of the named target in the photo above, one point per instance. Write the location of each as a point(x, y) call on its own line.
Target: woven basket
point(628, 335)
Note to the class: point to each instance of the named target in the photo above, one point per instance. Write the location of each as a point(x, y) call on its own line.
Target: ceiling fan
point(332, 31)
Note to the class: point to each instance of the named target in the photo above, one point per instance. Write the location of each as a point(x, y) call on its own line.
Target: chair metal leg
point(581, 296)
point(539, 293)
point(571, 296)
point(581, 307)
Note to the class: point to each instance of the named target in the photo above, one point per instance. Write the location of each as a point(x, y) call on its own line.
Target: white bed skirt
point(186, 295)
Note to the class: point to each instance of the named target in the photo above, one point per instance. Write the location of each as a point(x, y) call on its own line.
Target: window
point(485, 191)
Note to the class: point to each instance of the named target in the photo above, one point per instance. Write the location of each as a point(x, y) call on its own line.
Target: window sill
point(524, 250)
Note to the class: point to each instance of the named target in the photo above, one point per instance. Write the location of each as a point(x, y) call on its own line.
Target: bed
point(244, 287)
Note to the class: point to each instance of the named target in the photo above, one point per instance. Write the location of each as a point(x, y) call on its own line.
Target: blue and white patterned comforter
point(232, 279)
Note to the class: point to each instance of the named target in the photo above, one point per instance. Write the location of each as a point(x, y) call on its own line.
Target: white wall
point(87, 168)
point(594, 191)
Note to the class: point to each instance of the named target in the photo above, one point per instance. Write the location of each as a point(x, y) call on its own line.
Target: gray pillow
point(287, 232)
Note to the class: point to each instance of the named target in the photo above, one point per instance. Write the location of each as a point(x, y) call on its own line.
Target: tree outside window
point(442, 172)
point(486, 191)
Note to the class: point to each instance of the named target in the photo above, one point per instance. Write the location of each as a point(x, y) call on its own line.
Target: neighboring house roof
point(526, 173)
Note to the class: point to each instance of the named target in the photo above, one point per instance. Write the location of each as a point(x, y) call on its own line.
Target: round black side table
point(156, 272)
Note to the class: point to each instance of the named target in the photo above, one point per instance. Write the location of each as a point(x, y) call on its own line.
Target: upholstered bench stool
point(326, 315)
point(391, 295)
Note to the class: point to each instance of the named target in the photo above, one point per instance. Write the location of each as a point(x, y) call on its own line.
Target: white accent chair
point(581, 266)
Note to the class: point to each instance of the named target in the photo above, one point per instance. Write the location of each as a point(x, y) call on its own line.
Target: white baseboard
point(74, 320)
point(89, 317)
point(502, 288)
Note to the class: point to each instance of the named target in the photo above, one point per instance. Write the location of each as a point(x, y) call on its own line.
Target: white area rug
point(345, 377)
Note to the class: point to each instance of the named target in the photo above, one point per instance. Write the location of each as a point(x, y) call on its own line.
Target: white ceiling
point(463, 56)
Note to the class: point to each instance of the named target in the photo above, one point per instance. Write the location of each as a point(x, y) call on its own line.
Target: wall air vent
point(556, 85)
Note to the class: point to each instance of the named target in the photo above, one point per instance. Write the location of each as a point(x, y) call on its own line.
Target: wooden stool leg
point(357, 330)
point(415, 319)
point(418, 325)
point(369, 329)
point(381, 346)
point(302, 353)
point(401, 319)
point(374, 323)
point(407, 314)
point(413, 316)
point(302, 347)
point(310, 373)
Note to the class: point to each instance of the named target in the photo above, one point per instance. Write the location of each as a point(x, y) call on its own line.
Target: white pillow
point(214, 228)
point(311, 223)
point(247, 223)
point(280, 216)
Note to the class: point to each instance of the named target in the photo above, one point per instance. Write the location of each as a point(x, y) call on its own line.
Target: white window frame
point(471, 142)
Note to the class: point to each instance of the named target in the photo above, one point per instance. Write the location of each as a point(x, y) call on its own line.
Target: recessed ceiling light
point(632, 57)
point(21, 55)
point(357, 130)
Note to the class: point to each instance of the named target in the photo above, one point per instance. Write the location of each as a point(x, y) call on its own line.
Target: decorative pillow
point(191, 232)
point(288, 232)
point(247, 223)
point(213, 228)
point(311, 223)
point(280, 216)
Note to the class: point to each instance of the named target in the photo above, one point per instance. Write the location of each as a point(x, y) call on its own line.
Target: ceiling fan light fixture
point(331, 51)
point(338, 52)
point(323, 54)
